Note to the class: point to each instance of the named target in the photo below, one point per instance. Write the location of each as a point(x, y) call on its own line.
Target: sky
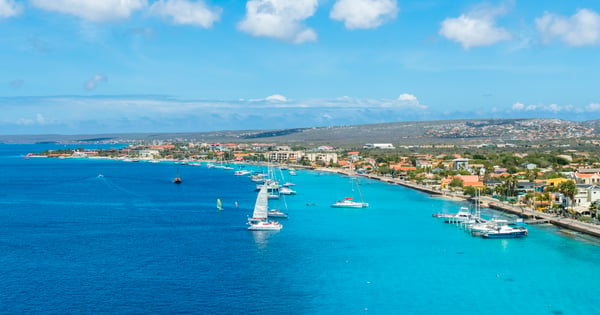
point(114, 66)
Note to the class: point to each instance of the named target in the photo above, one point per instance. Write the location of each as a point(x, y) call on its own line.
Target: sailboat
point(349, 202)
point(177, 179)
point(277, 213)
point(259, 220)
point(219, 204)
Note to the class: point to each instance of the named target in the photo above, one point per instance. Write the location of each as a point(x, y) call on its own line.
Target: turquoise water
point(130, 241)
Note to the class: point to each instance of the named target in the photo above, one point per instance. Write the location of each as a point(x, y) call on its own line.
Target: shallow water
point(130, 241)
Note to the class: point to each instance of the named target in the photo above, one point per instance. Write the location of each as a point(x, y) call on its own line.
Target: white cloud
point(476, 28)
point(10, 8)
point(276, 98)
point(186, 12)
point(364, 14)
point(580, 29)
point(93, 82)
point(593, 107)
point(407, 97)
point(39, 120)
point(95, 11)
point(279, 19)
point(555, 108)
point(518, 106)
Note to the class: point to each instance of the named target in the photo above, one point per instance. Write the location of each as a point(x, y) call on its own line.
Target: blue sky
point(103, 66)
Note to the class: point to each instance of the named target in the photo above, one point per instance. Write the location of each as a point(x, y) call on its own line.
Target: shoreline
point(574, 225)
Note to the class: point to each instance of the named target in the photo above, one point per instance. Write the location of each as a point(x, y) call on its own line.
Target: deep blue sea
point(131, 241)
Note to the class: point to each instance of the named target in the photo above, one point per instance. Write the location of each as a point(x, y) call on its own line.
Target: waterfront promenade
point(525, 212)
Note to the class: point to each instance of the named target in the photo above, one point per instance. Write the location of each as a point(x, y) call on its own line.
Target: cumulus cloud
point(410, 101)
point(95, 11)
point(186, 12)
point(279, 19)
point(580, 29)
point(407, 97)
point(276, 98)
point(94, 81)
point(10, 8)
point(364, 14)
point(476, 28)
point(38, 120)
point(518, 106)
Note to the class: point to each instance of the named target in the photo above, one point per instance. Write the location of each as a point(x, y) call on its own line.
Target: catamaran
point(259, 220)
point(349, 202)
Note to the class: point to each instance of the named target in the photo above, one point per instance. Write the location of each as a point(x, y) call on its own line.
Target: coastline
point(570, 224)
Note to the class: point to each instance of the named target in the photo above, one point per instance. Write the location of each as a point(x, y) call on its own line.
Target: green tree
point(569, 189)
point(456, 182)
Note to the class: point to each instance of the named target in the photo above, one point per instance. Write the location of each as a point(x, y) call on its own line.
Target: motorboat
point(462, 215)
point(506, 231)
point(241, 172)
point(286, 191)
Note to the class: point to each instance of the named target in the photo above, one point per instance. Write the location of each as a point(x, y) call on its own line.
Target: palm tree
point(569, 189)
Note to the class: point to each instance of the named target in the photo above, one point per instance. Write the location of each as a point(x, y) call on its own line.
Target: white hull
point(350, 204)
point(265, 226)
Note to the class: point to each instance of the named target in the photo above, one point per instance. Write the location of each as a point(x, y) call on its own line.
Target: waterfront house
point(586, 195)
point(554, 182)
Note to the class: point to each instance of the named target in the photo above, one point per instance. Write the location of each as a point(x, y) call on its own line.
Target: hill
point(445, 131)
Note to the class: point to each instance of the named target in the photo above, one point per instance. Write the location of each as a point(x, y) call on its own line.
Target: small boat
point(241, 172)
point(462, 215)
point(219, 204)
point(505, 231)
point(177, 179)
point(259, 220)
point(286, 191)
point(291, 172)
point(274, 213)
point(349, 203)
point(288, 184)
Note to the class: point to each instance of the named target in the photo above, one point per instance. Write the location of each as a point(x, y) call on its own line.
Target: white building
point(378, 146)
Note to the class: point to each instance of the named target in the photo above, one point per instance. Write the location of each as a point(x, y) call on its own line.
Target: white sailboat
point(349, 202)
point(259, 220)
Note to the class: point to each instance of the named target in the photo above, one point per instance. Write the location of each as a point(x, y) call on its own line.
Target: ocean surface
point(103, 236)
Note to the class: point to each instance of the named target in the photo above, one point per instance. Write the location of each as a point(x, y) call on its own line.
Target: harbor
point(529, 215)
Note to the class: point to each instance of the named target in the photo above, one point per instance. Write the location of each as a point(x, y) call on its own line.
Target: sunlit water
point(131, 241)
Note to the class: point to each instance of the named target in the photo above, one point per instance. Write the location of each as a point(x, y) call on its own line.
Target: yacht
point(506, 231)
point(462, 215)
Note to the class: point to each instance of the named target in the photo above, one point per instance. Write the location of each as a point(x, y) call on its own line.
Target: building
point(587, 178)
point(324, 157)
point(283, 156)
point(460, 164)
point(378, 146)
